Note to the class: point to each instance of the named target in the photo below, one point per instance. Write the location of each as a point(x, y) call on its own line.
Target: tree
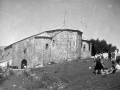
point(93, 47)
point(113, 48)
point(109, 47)
point(101, 46)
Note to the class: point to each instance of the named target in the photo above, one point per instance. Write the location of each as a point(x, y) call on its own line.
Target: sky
point(20, 19)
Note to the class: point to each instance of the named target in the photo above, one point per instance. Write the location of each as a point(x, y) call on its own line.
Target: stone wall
point(34, 51)
point(66, 45)
point(86, 49)
point(40, 50)
point(23, 50)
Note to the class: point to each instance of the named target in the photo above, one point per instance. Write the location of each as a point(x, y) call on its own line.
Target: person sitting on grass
point(98, 66)
point(115, 68)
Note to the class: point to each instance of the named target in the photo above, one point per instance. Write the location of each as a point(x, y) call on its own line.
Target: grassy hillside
point(66, 76)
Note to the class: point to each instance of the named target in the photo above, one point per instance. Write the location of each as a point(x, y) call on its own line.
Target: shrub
point(10, 72)
point(5, 74)
point(2, 77)
point(26, 73)
point(0, 69)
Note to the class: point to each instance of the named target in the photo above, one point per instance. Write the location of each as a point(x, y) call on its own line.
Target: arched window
point(25, 51)
point(84, 48)
point(46, 47)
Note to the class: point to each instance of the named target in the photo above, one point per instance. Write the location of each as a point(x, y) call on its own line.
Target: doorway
point(23, 64)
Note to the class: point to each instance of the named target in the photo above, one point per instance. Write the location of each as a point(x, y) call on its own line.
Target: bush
point(5, 74)
point(26, 73)
point(1, 78)
point(0, 70)
point(10, 72)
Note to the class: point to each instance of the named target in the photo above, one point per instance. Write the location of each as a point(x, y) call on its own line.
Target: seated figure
point(98, 66)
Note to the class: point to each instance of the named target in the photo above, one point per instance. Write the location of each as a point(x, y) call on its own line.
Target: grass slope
point(72, 75)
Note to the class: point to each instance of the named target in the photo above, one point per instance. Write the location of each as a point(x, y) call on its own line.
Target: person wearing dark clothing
point(113, 55)
point(118, 59)
point(109, 55)
point(113, 58)
point(117, 56)
point(98, 66)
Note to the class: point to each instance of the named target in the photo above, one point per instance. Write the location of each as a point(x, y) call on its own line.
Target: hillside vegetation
point(72, 75)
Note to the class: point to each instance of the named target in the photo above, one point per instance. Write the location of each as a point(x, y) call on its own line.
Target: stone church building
point(56, 45)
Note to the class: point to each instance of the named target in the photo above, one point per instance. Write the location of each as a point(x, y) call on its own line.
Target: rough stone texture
point(86, 49)
point(42, 51)
point(57, 46)
point(61, 46)
point(66, 45)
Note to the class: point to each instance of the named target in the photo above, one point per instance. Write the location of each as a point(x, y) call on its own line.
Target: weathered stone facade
point(86, 49)
point(50, 46)
point(65, 45)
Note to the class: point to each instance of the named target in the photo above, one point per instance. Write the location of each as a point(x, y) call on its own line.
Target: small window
point(25, 51)
point(46, 47)
point(53, 41)
point(84, 48)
